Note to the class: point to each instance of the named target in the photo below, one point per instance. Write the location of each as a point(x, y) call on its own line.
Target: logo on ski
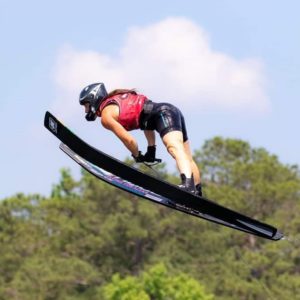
point(53, 125)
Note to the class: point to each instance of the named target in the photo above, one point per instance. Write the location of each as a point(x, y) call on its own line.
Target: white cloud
point(173, 61)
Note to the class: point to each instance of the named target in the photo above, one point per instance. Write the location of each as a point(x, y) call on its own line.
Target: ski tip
point(46, 118)
point(278, 236)
point(51, 123)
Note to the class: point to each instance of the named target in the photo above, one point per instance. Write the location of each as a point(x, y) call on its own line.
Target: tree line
point(89, 240)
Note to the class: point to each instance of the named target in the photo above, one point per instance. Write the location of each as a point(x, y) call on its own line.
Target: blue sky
point(231, 66)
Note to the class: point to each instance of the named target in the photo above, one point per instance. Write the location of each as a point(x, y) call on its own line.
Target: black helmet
point(93, 94)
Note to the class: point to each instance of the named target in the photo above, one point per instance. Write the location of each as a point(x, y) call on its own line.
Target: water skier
point(123, 110)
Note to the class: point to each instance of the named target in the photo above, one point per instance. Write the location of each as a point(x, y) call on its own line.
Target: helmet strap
point(90, 116)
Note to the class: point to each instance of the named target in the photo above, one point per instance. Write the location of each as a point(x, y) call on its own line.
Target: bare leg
point(175, 146)
point(150, 136)
point(195, 169)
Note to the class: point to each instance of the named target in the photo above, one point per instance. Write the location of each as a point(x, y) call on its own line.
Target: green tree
point(66, 186)
point(51, 277)
point(70, 245)
point(157, 284)
point(256, 178)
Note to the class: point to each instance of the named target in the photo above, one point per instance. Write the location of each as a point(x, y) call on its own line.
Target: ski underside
point(156, 190)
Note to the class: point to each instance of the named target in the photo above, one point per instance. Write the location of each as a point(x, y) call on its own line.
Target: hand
point(140, 158)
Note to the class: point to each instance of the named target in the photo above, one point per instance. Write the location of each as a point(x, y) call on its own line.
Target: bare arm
point(109, 121)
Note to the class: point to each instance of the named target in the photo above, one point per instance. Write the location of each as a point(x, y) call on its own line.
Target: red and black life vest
point(130, 108)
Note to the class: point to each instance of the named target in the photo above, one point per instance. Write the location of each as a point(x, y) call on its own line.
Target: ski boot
point(198, 190)
point(187, 184)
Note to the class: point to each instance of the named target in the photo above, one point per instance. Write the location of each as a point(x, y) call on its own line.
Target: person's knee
point(175, 149)
point(172, 149)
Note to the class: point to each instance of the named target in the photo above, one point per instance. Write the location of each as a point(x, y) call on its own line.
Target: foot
point(198, 190)
point(187, 184)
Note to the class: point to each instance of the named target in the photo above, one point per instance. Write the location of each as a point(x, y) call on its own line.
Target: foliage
point(89, 240)
point(155, 284)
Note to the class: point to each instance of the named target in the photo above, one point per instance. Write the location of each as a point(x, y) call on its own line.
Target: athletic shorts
point(164, 118)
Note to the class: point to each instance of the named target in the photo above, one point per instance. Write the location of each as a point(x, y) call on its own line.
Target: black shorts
point(164, 118)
